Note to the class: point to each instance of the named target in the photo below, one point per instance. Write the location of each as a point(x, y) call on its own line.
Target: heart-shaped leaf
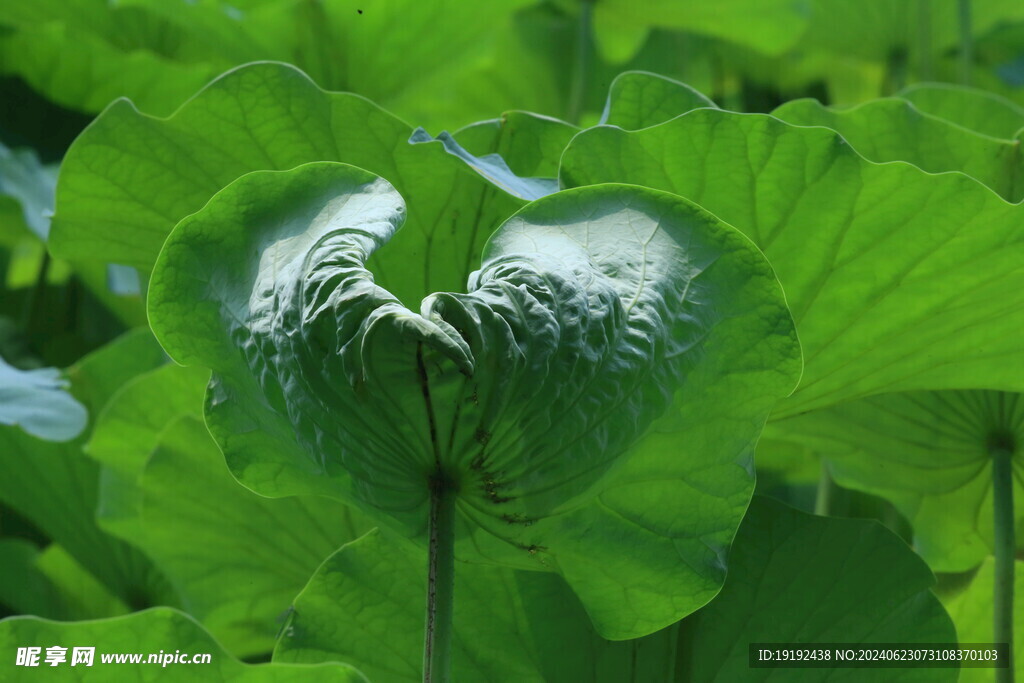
point(594, 311)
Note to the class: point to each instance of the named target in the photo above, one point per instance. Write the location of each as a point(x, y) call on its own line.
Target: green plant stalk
point(924, 40)
point(581, 72)
point(29, 314)
point(895, 73)
point(670, 668)
point(1002, 605)
point(966, 42)
point(826, 487)
point(437, 646)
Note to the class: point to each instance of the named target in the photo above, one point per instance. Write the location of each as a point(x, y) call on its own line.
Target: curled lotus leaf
point(527, 394)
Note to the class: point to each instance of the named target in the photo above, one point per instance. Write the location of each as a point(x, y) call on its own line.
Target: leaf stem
point(673, 644)
point(29, 314)
point(826, 487)
point(1002, 605)
point(581, 72)
point(437, 644)
point(924, 40)
point(966, 42)
point(895, 72)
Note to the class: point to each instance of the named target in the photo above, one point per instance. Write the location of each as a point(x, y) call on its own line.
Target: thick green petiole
point(826, 489)
point(437, 645)
point(581, 69)
point(1005, 545)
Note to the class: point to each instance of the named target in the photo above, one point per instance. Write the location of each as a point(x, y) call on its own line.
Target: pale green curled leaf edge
point(32, 184)
point(538, 156)
point(490, 167)
point(38, 402)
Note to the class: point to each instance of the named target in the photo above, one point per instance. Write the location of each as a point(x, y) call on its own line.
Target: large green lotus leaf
point(129, 178)
point(971, 610)
point(594, 311)
point(157, 630)
point(800, 578)
point(638, 99)
point(928, 453)
point(894, 130)
point(898, 280)
point(55, 486)
point(978, 110)
point(793, 577)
